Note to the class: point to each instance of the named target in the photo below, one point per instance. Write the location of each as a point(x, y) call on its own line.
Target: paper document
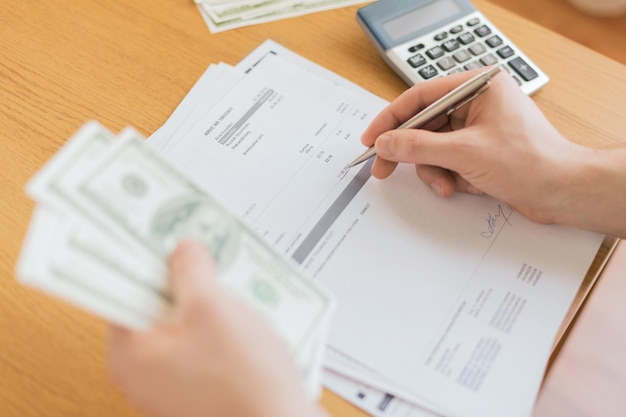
point(454, 303)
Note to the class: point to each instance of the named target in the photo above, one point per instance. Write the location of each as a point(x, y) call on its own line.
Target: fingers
point(119, 341)
point(194, 284)
point(437, 156)
point(441, 181)
point(411, 102)
point(448, 150)
point(192, 269)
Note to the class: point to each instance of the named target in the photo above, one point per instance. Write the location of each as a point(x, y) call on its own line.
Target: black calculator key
point(477, 49)
point(446, 63)
point(417, 60)
point(489, 59)
point(473, 22)
point(505, 52)
point(456, 29)
point(435, 52)
point(428, 72)
point(450, 45)
point(462, 56)
point(494, 41)
point(416, 48)
point(523, 69)
point(441, 36)
point(482, 31)
point(466, 38)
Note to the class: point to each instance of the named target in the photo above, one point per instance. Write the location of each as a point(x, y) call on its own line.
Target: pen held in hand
point(447, 104)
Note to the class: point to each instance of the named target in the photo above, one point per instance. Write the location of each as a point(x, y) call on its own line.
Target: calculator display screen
point(419, 18)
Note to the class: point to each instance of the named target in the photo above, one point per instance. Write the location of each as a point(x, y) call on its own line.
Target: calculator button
point(466, 38)
point(456, 29)
point(416, 60)
point(505, 52)
point(489, 59)
point(482, 31)
point(494, 41)
point(473, 22)
point(428, 72)
point(450, 45)
point(441, 36)
point(435, 52)
point(461, 56)
point(416, 48)
point(472, 65)
point(446, 63)
point(477, 49)
point(454, 71)
point(523, 69)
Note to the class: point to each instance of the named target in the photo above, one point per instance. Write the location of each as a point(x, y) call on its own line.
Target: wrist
point(591, 191)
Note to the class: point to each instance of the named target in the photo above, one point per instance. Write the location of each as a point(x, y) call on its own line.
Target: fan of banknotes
point(110, 210)
point(221, 15)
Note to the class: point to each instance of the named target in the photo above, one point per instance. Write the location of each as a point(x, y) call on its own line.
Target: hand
point(217, 359)
point(500, 144)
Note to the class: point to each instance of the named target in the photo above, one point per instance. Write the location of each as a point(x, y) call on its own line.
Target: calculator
point(424, 39)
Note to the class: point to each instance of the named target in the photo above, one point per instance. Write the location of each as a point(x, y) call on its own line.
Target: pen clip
point(470, 98)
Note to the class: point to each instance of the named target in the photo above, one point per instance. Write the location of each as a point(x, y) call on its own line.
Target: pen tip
point(344, 172)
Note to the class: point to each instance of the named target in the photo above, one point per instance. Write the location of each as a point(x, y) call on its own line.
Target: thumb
point(423, 147)
point(193, 274)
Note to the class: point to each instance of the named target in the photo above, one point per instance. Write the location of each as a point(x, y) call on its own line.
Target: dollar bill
point(146, 207)
point(222, 17)
point(110, 210)
point(41, 265)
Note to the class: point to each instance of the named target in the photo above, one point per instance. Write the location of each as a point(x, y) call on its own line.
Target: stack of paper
point(445, 306)
point(221, 15)
point(109, 212)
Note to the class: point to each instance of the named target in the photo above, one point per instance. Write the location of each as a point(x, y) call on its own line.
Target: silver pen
point(447, 104)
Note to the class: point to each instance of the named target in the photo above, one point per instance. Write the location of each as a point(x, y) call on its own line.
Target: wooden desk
point(130, 63)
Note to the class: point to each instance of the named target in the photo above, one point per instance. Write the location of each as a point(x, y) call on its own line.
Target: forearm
point(595, 193)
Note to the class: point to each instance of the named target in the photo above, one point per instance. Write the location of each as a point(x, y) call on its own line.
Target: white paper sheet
point(457, 301)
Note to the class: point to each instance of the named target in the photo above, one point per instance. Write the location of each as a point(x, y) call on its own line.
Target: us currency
point(49, 262)
point(222, 16)
point(110, 210)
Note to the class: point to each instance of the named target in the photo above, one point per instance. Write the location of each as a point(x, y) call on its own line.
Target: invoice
point(455, 300)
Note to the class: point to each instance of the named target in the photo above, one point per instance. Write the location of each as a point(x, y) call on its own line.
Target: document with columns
point(448, 305)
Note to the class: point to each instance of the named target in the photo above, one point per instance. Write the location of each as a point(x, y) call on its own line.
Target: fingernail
point(384, 146)
point(436, 187)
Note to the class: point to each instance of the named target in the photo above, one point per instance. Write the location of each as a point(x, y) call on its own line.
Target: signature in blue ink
point(504, 212)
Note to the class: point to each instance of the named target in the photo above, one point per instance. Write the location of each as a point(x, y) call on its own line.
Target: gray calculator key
point(477, 49)
point(523, 69)
point(489, 59)
point(446, 63)
point(461, 56)
point(454, 71)
point(472, 65)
